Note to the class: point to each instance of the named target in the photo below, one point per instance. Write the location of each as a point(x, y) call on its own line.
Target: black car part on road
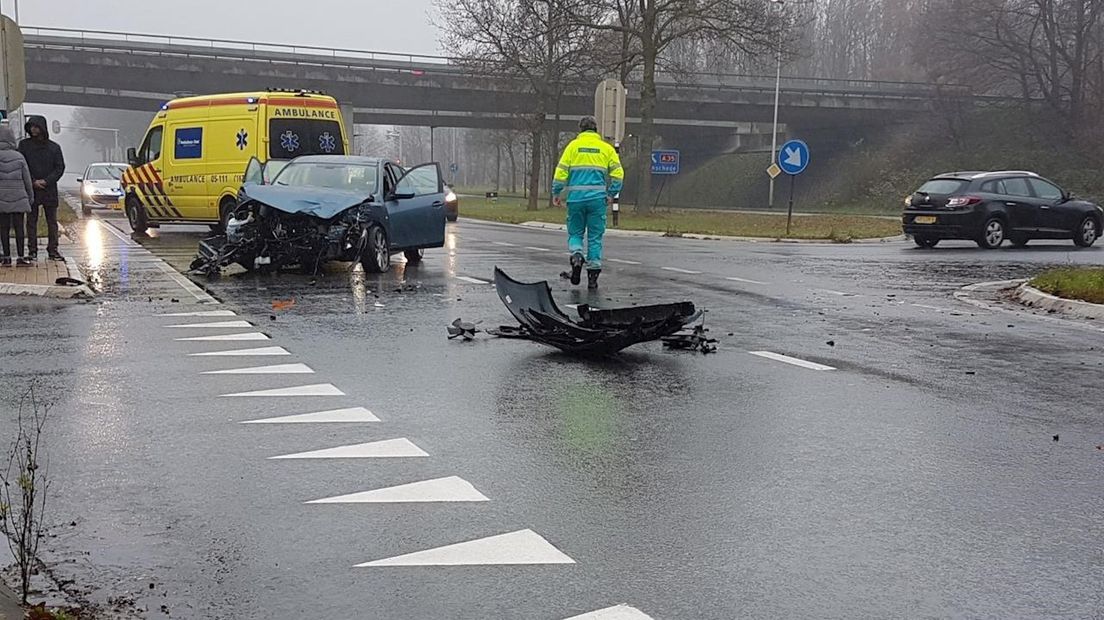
point(598, 332)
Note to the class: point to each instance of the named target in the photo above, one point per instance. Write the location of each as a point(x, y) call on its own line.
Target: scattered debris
point(67, 281)
point(462, 329)
point(408, 288)
point(1055, 438)
point(696, 339)
point(598, 332)
point(283, 304)
point(831, 343)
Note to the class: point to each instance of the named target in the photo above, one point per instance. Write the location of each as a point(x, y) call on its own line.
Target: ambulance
point(190, 165)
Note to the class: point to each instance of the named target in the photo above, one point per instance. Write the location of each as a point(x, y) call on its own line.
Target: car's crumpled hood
point(317, 201)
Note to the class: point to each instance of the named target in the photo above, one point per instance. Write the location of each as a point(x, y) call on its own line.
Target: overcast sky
point(378, 25)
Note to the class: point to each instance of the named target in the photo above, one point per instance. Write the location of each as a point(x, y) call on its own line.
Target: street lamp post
point(777, 91)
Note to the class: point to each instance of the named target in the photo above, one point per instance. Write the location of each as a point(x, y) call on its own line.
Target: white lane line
point(520, 547)
point(778, 357)
point(572, 306)
point(261, 351)
point(744, 280)
point(505, 244)
point(389, 448)
point(220, 324)
point(226, 337)
point(927, 307)
point(622, 261)
point(831, 292)
point(349, 414)
point(617, 612)
point(318, 389)
point(450, 489)
point(677, 270)
point(198, 293)
point(536, 249)
point(275, 369)
point(472, 280)
point(202, 313)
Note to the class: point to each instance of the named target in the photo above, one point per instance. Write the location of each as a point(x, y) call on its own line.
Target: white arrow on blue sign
point(793, 157)
point(665, 161)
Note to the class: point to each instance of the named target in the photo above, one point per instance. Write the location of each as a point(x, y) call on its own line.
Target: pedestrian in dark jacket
point(47, 164)
point(16, 192)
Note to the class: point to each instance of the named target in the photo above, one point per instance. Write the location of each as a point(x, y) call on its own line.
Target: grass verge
point(66, 216)
point(840, 228)
point(1084, 283)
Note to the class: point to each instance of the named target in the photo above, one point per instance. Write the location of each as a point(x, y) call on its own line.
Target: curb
point(705, 237)
point(1034, 298)
point(53, 291)
point(10, 609)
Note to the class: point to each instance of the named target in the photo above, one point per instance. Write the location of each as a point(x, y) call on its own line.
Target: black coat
point(45, 161)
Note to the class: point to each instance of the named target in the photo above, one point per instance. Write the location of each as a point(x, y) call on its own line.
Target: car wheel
point(414, 256)
point(136, 216)
point(1018, 241)
point(925, 242)
point(452, 217)
point(1087, 232)
point(85, 209)
point(376, 256)
point(992, 234)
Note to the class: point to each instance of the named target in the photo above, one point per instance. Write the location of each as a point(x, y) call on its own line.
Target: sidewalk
point(41, 278)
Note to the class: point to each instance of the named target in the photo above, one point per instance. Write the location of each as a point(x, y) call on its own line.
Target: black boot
point(577, 261)
point(592, 278)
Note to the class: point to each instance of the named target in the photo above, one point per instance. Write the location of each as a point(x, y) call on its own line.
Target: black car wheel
point(86, 210)
point(414, 256)
point(136, 215)
point(1087, 232)
point(452, 217)
point(992, 234)
point(925, 242)
point(376, 255)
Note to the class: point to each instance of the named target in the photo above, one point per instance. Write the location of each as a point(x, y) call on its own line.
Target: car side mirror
point(132, 156)
point(79, 180)
point(1066, 196)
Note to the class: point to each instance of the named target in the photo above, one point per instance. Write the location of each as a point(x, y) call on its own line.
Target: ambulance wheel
point(136, 215)
point(226, 209)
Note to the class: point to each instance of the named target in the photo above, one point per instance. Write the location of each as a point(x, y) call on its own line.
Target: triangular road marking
point(275, 369)
point(352, 414)
point(233, 324)
point(450, 489)
point(389, 448)
point(226, 337)
point(617, 612)
point(202, 313)
point(244, 352)
point(318, 389)
point(520, 547)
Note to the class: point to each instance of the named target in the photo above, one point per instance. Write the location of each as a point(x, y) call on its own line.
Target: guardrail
point(346, 57)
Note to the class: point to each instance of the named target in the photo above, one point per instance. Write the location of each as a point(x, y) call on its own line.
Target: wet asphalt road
point(917, 479)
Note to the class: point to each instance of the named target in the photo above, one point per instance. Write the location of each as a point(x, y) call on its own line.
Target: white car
point(100, 186)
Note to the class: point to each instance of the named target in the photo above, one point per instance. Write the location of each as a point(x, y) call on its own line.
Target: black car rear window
point(290, 138)
point(943, 187)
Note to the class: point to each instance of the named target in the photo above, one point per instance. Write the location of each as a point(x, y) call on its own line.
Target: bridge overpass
point(139, 72)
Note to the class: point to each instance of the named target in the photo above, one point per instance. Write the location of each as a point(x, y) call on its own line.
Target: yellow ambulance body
point(190, 165)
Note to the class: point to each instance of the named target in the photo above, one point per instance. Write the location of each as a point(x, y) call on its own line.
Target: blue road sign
point(793, 157)
point(665, 161)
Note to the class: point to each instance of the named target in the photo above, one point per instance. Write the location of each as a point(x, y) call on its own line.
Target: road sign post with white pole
point(12, 63)
point(793, 158)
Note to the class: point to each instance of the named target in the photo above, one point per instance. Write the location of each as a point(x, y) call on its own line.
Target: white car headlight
point(450, 196)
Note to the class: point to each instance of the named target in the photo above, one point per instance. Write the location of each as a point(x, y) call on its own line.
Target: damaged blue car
point(320, 208)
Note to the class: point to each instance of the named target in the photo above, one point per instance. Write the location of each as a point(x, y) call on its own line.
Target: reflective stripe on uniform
point(585, 188)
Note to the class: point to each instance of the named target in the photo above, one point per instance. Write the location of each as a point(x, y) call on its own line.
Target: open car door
point(417, 208)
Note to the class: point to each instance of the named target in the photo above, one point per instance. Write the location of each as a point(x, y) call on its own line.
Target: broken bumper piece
point(598, 332)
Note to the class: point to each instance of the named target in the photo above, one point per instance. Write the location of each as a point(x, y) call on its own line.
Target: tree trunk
point(535, 165)
point(513, 165)
point(647, 121)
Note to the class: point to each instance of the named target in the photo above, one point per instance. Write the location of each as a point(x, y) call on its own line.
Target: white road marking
point(778, 357)
point(450, 489)
point(219, 324)
point(226, 337)
point(275, 369)
point(622, 261)
point(831, 292)
point(262, 351)
point(350, 414)
point(202, 313)
point(505, 244)
point(389, 448)
point(617, 612)
point(535, 248)
point(936, 308)
point(521, 547)
point(472, 280)
point(318, 389)
point(744, 280)
point(571, 306)
point(677, 270)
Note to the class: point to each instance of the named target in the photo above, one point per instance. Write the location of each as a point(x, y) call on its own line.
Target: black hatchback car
point(989, 207)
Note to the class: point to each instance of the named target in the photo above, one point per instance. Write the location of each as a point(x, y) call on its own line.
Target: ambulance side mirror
point(132, 157)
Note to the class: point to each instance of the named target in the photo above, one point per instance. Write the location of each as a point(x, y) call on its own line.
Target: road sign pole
point(789, 212)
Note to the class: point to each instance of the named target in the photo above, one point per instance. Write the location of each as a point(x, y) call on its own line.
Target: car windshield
point(104, 173)
point(944, 187)
point(359, 178)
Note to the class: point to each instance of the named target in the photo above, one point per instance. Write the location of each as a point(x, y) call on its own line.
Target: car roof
point(975, 174)
point(348, 159)
point(100, 164)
